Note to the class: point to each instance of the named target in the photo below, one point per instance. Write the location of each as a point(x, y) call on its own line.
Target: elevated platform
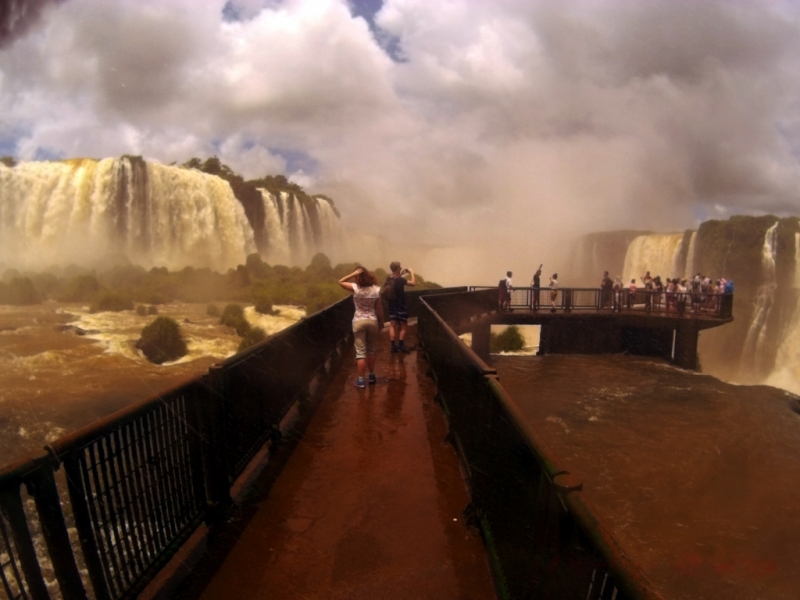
point(369, 504)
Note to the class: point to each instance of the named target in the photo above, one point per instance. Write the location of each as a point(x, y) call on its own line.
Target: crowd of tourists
point(678, 295)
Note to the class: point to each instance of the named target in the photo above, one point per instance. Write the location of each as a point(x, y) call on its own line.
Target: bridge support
point(481, 338)
point(685, 355)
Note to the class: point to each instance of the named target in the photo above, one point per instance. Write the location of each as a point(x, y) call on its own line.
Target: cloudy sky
point(494, 124)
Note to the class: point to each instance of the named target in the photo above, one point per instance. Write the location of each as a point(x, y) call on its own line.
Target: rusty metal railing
point(136, 484)
point(594, 299)
point(544, 540)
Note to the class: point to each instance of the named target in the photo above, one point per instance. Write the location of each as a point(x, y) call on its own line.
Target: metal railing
point(137, 484)
point(584, 299)
point(544, 540)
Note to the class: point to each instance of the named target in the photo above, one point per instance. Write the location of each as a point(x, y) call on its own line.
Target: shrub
point(264, 306)
point(212, 310)
point(162, 341)
point(110, 302)
point(510, 340)
point(233, 316)
point(152, 310)
point(252, 337)
point(79, 289)
point(141, 310)
point(19, 291)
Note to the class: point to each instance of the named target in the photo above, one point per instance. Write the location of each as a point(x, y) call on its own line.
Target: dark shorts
point(398, 312)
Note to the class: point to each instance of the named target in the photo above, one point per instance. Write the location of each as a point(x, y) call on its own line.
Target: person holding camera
point(398, 312)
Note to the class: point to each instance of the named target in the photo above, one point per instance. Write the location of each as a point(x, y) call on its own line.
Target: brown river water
point(697, 478)
point(53, 380)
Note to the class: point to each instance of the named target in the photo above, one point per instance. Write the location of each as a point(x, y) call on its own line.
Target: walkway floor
point(368, 504)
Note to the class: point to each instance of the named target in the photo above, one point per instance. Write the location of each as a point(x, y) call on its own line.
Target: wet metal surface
point(368, 504)
point(697, 478)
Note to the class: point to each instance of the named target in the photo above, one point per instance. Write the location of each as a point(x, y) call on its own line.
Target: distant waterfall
point(102, 212)
point(657, 253)
point(786, 373)
point(296, 231)
point(757, 332)
point(689, 271)
point(87, 212)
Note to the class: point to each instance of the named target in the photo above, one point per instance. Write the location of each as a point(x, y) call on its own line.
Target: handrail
point(683, 304)
point(138, 482)
point(545, 540)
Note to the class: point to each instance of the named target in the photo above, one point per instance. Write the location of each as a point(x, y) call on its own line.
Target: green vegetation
point(162, 341)
point(253, 336)
point(253, 283)
point(233, 316)
point(510, 340)
point(141, 310)
point(18, 291)
point(110, 302)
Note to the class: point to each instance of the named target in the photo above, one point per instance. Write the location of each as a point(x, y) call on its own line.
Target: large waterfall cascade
point(689, 271)
point(763, 303)
point(786, 373)
point(657, 253)
point(88, 212)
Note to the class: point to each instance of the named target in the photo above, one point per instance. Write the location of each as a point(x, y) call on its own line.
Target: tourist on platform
point(670, 295)
point(680, 294)
point(398, 311)
point(617, 291)
point(606, 290)
point(536, 283)
point(553, 291)
point(647, 280)
point(658, 290)
point(631, 292)
point(505, 288)
point(367, 321)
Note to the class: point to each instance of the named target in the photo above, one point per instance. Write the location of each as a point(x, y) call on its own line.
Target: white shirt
point(365, 300)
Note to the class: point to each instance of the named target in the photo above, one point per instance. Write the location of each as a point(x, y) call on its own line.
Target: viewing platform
point(273, 475)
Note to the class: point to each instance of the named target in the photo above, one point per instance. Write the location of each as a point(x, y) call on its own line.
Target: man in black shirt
point(398, 313)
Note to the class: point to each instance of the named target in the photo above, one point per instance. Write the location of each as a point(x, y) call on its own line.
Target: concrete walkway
point(367, 506)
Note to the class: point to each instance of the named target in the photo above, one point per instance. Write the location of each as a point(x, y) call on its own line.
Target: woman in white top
point(367, 320)
point(553, 291)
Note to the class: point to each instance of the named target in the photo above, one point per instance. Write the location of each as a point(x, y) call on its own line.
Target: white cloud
point(508, 120)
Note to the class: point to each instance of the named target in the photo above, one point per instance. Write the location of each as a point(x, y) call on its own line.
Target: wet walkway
point(368, 504)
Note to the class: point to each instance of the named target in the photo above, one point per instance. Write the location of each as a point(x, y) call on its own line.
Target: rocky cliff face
point(759, 253)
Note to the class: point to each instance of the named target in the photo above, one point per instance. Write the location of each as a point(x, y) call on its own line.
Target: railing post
point(42, 486)
point(83, 523)
point(216, 447)
point(14, 513)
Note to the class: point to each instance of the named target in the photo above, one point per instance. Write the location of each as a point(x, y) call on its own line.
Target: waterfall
point(757, 332)
point(689, 270)
point(87, 212)
point(296, 230)
point(657, 253)
point(786, 373)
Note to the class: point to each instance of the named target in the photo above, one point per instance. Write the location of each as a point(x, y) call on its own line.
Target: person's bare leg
point(403, 328)
point(392, 331)
point(361, 365)
point(370, 364)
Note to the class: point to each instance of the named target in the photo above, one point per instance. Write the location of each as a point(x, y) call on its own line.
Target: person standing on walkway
point(398, 311)
point(606, 292)
point(553, 291)
point(505, 287)
point(536, 283)
point(367, 321)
